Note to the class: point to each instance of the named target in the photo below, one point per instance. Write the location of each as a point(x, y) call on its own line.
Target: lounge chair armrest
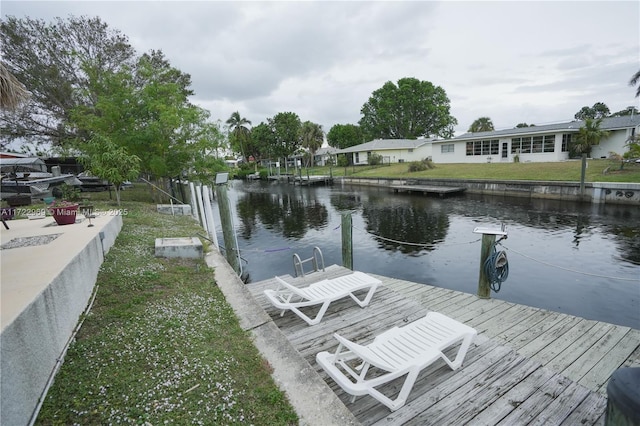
point(363, 353)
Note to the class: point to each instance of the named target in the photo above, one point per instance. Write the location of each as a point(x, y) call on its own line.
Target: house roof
point(386, 144)
point(610, 123)
point(326, 150)
point(22, 164)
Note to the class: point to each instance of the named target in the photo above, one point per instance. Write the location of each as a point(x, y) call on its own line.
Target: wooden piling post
point(484, 286)
point(583, 173)
point(347, 242)
point(231, 250)
point(488, 241)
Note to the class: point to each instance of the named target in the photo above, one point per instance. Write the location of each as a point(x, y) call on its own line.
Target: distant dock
point(313, 180)
point(425, 189)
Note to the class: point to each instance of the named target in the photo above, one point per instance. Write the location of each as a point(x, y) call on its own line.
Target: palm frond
point(634, 80)
point(12, 92)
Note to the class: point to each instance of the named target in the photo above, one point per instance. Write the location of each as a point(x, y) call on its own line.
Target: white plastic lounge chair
point(395, 353)
point(289, 297)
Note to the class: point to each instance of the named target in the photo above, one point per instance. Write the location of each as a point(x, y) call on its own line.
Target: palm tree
point(482, 124)
point(239, 130)
point(12, 92)
point(634, 80)
point(312, 137)
point(589, 135)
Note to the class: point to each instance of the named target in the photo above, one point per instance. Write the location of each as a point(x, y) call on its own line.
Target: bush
point(375, 159)
point(420, 166)
point(417, 166)
point(343, 161)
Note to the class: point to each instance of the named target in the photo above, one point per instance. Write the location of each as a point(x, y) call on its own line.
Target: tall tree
point(634, 80)
point(262, 142)
point(482, 124)
point(239, 133)
point(286, 133)
point(589, 135)
point(343, 136)
point(146, 110)
point(598, 110)
point(409, 110)
point(312, 138)
point(47, 58)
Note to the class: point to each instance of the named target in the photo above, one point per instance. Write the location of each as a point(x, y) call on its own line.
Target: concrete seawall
point(594, 192)
point(45, 289)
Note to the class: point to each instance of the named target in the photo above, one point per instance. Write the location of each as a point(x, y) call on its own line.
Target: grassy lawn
point(597, 171)
point(160, 344)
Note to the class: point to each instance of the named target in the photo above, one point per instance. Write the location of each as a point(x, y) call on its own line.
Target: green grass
point(161, 345)
point(597, 171)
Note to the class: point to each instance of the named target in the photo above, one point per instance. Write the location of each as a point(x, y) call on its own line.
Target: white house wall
point(615, 142)
point(396, 155)
point(459, 154)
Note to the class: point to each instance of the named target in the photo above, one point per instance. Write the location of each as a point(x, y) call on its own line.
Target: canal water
point(576, 258)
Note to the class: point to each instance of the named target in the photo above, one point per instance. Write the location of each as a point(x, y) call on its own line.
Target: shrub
point(343, 161)
point(375, 159)
point(420, 166)
point(417, 166)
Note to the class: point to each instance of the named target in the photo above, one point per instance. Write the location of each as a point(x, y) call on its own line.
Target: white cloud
point(534, 62)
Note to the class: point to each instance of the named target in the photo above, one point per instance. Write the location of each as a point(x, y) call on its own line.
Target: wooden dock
point(527, 365)
point(313, 180)
point(425, 189)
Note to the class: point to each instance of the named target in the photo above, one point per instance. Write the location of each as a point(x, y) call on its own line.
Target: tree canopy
point(598, 110)
point(286, 133)
point(146, 110)
point(48, 59)
point(239, 133)
point(311, 138)
point(408, 110)
point(88, 84)
point(482, 124)
point(262, 142)
point(343, 136)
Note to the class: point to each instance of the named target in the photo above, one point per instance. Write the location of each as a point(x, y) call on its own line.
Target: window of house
point(566, 141)
point(447, 148)
point(410, 149)
point(516, 145)
point(490, 147)
point(549, 144)
point(536, 144)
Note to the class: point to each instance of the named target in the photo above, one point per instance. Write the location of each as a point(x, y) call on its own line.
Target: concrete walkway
point(47, 278)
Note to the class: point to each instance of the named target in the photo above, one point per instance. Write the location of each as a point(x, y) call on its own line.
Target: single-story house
point(391, 150)
point(533, 144)
point(323, 156)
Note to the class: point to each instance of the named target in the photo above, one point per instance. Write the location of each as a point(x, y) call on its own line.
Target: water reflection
point(288, 214)
point(405, 222)
point(580, 259)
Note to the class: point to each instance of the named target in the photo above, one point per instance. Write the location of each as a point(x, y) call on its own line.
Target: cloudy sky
point(535, 62)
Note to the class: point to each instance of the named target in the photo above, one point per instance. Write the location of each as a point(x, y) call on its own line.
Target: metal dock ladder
point(317, 260)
